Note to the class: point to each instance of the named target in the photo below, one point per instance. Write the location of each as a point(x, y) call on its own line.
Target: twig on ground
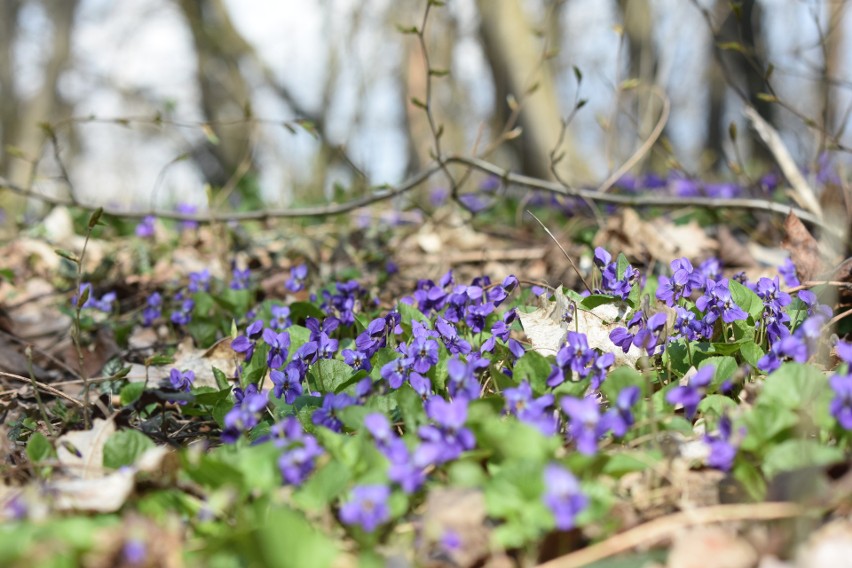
point(43, 387)
point(478, 256)
point(812, 283)
point(658, 529)
point(837, 318)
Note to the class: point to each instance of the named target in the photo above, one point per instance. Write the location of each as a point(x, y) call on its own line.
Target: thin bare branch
point(664, 527)
point(388, 192)
point(804, 193)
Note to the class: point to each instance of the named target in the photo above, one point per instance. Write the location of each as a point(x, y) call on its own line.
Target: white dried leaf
point(547, 330)
point(199, 361)
point(82, 451)
point(102, 495)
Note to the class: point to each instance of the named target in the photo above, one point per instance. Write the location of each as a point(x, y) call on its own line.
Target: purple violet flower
point(280, 317)
point(326, 415)
point(584, 426)
point(787, 270)
point(287, 382)
point(245, 414)
point(452, 341)
point(537, 412)
point(722, 451)
point(245, 344)
point(298, 275)
point(240, 279)
point(447, 438)
point(562, 496)
point(187, 209)
point(717, 301)
point(181, 380)
point(684, 279)
point(145, 229)
point(367, 506)
point(152, 310)
point(841, 384)
point(183, 315)
point(279, 347)
point(692, 393)
point(619, 418)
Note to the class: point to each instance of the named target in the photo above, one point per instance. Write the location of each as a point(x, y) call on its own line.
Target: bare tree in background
point(642, 65)
point(22, 137)
point(225, 93)
point(739, 64)
point(519, 65)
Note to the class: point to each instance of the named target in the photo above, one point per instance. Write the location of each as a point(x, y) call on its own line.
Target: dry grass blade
point(570, 260)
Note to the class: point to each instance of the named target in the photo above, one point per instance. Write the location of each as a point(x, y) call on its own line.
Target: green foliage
point(124, 447)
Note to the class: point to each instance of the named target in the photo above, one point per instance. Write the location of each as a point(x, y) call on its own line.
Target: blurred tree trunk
point(517, 63)
point(225, 93)
point(833, 116)
point(638, 22)
point(743, 71)
point(21, 136)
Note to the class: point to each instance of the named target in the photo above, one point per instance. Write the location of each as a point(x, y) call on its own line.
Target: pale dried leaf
point(90, 446)
point(727, 550)
point(831, 545)
point(102, 495)
point(199, 361)
point(98, 492)
point(546, 329)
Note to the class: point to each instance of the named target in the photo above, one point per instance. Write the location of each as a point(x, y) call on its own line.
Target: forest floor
point(427, 388)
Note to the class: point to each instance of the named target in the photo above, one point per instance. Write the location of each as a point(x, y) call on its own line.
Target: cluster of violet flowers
point(103, 304)
point(463, 321)
point(181, 304)
point(460, 314)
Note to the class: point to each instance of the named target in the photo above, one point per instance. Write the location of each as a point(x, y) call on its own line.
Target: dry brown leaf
point(658, 239)
point(733, 253)
point(803, 247)
point(546, 329)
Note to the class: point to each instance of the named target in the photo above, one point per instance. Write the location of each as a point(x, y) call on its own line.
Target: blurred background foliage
point(148, 103)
